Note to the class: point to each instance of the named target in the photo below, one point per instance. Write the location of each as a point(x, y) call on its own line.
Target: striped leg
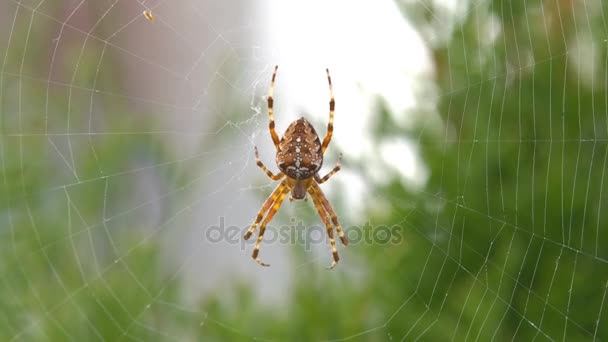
point(331, 173)
point(330, 230)
point(269, 201)
point(273, 133)
point(332, 106)
point(332, 213)
point(264, 168)
point(273, 210)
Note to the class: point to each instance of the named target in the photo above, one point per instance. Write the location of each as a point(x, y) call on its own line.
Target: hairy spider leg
point(273, 210)
point(330, 230)
point(265, 169)
point(332, 106)
point(282, 187)
point(331, 173)
point(273, 133)
point(330, 210)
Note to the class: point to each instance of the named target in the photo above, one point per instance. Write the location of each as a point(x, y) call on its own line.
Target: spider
point(299, 158)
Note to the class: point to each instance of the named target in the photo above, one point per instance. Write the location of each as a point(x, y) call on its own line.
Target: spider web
point(479, 128)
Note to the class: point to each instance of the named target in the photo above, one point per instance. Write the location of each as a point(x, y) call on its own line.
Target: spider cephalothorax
point(299, 157)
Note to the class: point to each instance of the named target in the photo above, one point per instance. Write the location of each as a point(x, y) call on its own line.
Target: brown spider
point(299, 157)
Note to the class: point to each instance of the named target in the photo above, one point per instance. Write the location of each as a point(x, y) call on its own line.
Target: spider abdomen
point(299, 155)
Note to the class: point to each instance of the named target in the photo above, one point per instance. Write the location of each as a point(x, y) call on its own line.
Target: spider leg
point(330, 210)
point(264, 168)
point(273, 210)
point(269, 201)
point(331, 173)
point(332, 106)
point(330, 230)
point(273, 133)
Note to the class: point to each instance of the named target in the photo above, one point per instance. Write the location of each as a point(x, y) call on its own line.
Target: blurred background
point(476, 130)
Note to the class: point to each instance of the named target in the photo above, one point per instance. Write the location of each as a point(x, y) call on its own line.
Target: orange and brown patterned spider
point(299, 157)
